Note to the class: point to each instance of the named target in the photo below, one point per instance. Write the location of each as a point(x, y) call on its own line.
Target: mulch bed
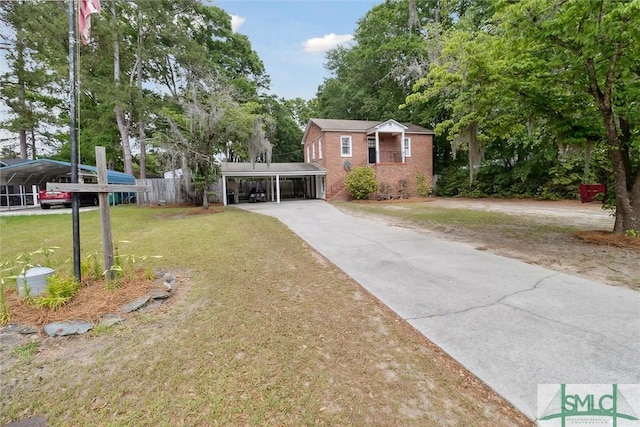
point(93, 301)
point(607, 238)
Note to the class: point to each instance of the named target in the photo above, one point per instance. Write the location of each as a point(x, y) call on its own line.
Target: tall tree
point(285, 131)
point(203, 122)
point(124, 123)
point(563, 70)
point(391, 52)
point(591, 48)
point(28, 88)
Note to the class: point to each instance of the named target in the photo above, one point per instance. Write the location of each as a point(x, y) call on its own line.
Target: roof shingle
point(362, 126)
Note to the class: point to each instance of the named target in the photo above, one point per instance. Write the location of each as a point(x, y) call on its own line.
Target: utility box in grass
point(33, 282)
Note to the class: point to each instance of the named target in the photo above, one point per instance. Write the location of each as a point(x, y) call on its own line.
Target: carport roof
point(41, 171)
point(262, 169)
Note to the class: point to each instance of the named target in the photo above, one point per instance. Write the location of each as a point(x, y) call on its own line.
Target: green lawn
point(270, 333)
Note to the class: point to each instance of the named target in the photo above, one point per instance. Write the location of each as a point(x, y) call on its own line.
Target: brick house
point(396, 151)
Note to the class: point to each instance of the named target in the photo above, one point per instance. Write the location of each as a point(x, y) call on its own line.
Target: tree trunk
point(627, 196)
point(33, 144)
point(143, 150)
point(123, 126)
point(205, 195)
point(124, 139)
point(141, 133)
point(186, 174)
point(22, 133)
point(627, 188)
point(22, 101)
point(414, 20)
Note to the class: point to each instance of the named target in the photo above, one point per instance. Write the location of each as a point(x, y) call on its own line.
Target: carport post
point(224, 190)
point(272, 188)
point(278, 188)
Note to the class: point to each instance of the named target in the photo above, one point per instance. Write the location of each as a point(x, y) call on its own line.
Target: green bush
point(58, 292)
point(422, 186)
point(534, 178)
point(361, 182)
point(454, 181)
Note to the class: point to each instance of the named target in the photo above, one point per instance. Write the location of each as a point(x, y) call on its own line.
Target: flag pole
point(73, 136)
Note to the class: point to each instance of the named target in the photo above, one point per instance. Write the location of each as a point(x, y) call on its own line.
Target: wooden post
point(103, 188)
point(105, 215)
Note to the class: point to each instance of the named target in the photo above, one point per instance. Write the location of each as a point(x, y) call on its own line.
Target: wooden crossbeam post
point(105, 214)
point(103, 188)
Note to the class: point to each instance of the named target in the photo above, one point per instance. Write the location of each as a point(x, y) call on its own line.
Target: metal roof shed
point(16, 176)
point(39, 172)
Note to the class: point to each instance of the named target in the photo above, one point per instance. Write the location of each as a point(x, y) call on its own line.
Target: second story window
point(345, 146)
point(320, 148)
point(313, 151)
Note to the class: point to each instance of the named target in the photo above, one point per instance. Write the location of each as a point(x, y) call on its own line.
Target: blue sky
point(292, 36)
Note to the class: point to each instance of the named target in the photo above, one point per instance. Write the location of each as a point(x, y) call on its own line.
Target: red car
point(57, 198)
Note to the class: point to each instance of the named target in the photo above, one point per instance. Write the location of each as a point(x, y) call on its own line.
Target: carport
point(278, 181)
point(21, 181)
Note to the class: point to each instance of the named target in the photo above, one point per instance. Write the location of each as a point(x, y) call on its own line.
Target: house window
point(407, 147)
point(320, 148)
point(345, 144)
point(313, 151)
point(308, 157)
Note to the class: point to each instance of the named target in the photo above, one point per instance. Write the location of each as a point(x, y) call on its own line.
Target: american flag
point(86, 8)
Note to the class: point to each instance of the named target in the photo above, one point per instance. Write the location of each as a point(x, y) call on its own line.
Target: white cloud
point(236, 22)
point(328, 41)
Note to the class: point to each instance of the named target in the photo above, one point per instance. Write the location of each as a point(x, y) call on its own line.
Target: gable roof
point(39, 172)
point(367, 126)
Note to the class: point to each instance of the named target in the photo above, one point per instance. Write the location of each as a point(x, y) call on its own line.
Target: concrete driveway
point(512, 324)
point(35, 210)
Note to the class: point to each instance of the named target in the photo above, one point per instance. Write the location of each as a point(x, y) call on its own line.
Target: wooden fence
point(170, 191)
point(162, 192)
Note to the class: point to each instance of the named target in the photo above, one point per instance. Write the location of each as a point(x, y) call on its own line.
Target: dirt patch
point(547, 239)
point(396, 201)
point(191, 211)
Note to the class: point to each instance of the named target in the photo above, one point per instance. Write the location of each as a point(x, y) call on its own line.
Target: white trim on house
point(406, 146)
point(344, 138)
point(308, 159)
point(320, 148)
point(390, 126)
point(313, 151)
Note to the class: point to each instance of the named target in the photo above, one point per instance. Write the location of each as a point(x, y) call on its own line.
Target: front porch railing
point(390, 157)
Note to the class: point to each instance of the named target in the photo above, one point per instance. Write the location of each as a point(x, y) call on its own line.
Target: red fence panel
point(588, 192)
